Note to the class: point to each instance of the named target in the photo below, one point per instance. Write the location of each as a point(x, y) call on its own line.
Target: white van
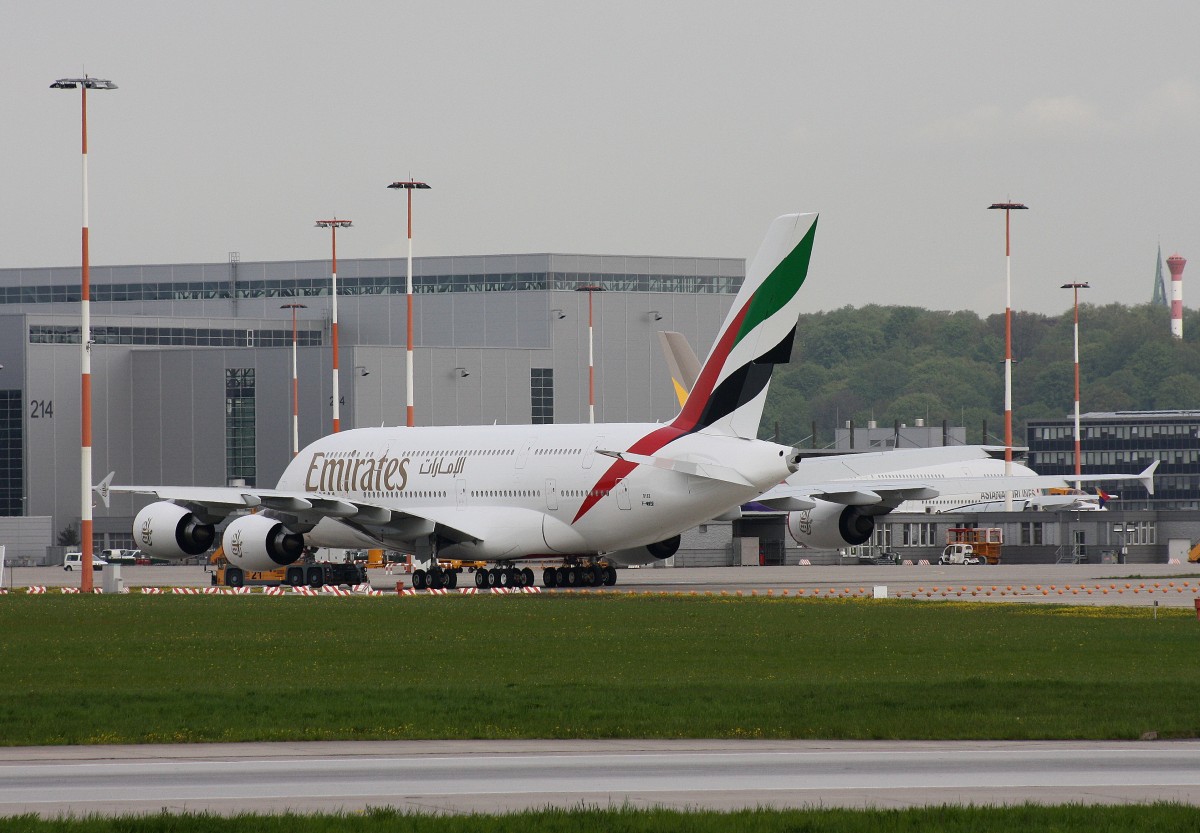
point(74, 561)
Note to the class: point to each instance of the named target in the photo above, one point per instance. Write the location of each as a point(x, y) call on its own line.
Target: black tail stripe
point(744, 384)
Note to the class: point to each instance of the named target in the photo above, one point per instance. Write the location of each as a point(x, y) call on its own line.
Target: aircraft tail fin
point(731, 388)
point(682, 363)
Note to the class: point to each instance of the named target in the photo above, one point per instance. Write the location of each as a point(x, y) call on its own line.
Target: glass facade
point(434, 275)
point(240, 463)
point(12, 458)
point(199, 337)
point(541, 394)
point(1126, 442)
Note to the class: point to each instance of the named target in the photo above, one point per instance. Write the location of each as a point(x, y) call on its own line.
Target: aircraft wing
point(311, 507)
point(895, 490)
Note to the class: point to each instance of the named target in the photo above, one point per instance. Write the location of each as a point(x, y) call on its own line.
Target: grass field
point(145, 669)
point(1157, 818)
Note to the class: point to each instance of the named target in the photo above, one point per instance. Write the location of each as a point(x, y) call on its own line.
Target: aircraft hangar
point(192, 363)
point(191, 376)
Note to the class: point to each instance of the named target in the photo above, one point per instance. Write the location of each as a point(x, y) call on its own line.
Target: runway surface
point(1142, 585)
point(477, 776)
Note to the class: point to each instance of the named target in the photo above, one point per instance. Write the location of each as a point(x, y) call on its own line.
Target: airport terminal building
point(192, 363)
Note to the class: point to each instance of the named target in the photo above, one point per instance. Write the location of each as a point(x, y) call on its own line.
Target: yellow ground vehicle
point(305, 572)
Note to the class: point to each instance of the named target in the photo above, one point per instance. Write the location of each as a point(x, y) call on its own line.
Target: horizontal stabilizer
point(710, 471)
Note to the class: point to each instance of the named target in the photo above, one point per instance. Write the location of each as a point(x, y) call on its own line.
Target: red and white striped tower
point(85, 342)
point(591, 291)
point(333, 225)
point(409, 186)
point(295, 382)
point(1176, 263)
point(1078, 458)
point(1008, 208)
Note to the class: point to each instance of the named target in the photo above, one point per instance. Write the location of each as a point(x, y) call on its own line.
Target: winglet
point(101, 488)
point(1146, 478)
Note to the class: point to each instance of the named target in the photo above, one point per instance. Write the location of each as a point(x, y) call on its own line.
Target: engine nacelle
point(645, 555)
point(831, 526)
point(168, 530)
point(255, 542)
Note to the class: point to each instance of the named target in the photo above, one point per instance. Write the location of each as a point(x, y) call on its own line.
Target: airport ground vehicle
point(74, 560)
point(305, 572)
point(971, 545)
point(119, 556)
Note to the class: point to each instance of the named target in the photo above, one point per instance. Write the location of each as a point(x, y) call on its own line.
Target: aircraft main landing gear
point(580, 575)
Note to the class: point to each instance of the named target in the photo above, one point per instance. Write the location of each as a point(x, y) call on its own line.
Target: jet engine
point(645, 555)
point(168, 530)
point(256, 542)
point(830, 526)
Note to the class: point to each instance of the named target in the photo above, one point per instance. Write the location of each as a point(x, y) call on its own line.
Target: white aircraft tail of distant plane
point(584, 496)
point(832, 501)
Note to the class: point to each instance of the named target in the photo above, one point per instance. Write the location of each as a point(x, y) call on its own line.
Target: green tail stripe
point(780, 286)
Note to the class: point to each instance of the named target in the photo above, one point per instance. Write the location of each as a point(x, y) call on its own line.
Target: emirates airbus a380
point(587, 496)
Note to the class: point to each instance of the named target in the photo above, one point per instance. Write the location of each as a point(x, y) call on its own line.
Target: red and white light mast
point(295, 382)
point(1008, 208)
point(1176, 263)
point(85, 339)
point(1078, 465)
point(409, 186)
point(333, 225)
point(591, 291)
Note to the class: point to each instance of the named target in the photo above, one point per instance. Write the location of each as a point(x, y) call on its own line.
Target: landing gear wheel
point(594, 576)
point(481, 579)
point(550, 577)
point(437, 580)
point(527, 577)
point(560, 576)
point(610, 575)
point(573, 577)
point(451, 579)
point(420, 580)
point(494, 575)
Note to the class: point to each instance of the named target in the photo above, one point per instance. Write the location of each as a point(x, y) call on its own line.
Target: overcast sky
point(620, 128)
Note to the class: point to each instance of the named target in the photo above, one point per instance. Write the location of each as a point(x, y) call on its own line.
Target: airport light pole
point(409, 186)
point(85, 340)
point(1075, 287)
point(333, 225)
point(1008, 208)
point(591, 290)
point(295, 382)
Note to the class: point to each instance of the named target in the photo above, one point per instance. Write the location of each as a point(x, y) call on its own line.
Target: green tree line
point(903, 363)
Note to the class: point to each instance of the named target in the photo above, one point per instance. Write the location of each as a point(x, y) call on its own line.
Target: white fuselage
point(529, 491)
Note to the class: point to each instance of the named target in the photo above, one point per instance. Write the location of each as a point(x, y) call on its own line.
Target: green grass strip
point(1154, 818)
point(148, 669)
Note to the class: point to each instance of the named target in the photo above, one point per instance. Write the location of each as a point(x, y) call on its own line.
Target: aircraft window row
point(200, 337)
point(373, 285)
point(507, 493)
point(552, 451)
point(586, 492)
point(467, 452)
